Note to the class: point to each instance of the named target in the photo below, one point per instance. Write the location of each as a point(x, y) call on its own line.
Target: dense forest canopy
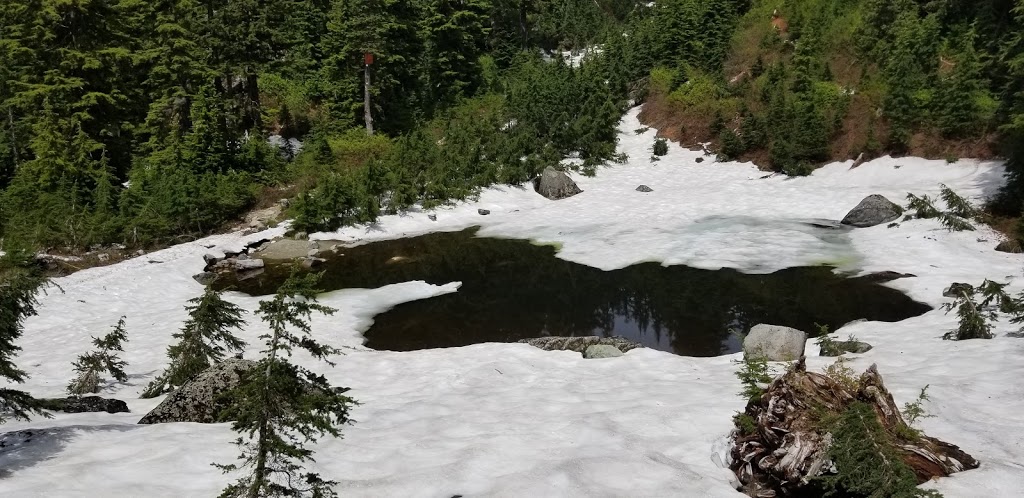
point(143, 122)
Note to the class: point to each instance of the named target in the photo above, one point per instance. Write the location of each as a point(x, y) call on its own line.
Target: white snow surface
point(512, 420)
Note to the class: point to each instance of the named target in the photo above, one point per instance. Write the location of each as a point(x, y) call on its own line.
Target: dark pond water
point(512, 289)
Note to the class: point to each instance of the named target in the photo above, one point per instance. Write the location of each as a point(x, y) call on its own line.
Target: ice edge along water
point(511, 420)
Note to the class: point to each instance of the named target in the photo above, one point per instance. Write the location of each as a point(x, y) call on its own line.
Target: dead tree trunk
point(367, 114)
point(790, 442)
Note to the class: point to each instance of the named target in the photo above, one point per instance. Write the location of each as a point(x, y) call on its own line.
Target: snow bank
point(511, 420)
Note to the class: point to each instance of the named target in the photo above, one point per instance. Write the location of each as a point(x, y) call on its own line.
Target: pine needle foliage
point(660, 147)
point(914, 410)
point(19, 285)
point(976, 317)
point(865, 456)
point(959, 215)
point(90, 367)
point(204, 340)
point(754, 373)
point(283, 406)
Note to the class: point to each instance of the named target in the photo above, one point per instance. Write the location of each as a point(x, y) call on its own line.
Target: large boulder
point(201, 399)
point(84, 404)
point(580, 344)
point(555, 184)
point(873, 210)
point(774, 343)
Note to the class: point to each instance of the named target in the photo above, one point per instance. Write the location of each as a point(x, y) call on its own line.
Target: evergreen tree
point(284, 406)
point(91, 366)
point(204, 340)
point(19, 284)
point(455, 34)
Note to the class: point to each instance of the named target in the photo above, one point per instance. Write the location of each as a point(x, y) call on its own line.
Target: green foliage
point(19, 285)
point(828, 345)
point(866, 459)
point(914, 410)
point(90, 367)
point(284, 406)
point(204, 340)
point(975, 318)
point(745, 424)
point(958, 216)
point(732, 146)
point(754, 374)
point(660, 147)
point(842, 374)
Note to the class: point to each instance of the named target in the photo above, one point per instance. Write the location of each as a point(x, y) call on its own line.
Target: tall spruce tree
point(19, 285)
point(283, 406)
point(204, 340)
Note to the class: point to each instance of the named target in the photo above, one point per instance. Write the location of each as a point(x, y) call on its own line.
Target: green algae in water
point(514, 289)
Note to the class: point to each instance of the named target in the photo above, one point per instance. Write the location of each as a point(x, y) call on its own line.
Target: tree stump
point(789, 443)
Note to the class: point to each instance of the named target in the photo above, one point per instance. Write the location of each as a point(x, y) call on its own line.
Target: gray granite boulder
point(873, 210)
point(601, 351)
point(774, 343)
point(201, 399)
point(580, 344)
point(555, 184)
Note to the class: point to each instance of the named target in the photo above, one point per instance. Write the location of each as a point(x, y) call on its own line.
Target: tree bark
point(790, 446)
point(367, 110)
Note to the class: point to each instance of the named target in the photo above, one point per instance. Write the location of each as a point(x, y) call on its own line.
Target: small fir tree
point(976, 317)
point(284, 406)
point(660, 147)
point(18, 287)
point(204, 340)
point(91, 366)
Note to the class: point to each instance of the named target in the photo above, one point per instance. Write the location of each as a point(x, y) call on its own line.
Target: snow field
point(511, 420)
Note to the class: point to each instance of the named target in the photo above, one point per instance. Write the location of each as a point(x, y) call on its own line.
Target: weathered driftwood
point(790, 446)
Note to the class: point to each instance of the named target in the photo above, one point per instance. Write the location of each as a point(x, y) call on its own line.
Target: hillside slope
point(811, 81)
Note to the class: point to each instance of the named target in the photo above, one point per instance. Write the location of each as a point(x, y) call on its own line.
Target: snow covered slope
point(511, 420)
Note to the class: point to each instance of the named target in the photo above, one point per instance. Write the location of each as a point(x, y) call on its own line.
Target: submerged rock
point(580, 344)
point(201, 399)
point(555, 184)
point(601, 351)
point(774, 343)
point(873, 210)
point(284, 249)
point(483, 212)
point(84, 404)
point(644, 189)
